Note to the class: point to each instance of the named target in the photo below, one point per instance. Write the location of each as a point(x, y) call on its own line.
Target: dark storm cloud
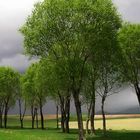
point(12, 16)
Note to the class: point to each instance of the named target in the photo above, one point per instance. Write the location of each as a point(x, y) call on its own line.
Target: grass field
point(119, 128)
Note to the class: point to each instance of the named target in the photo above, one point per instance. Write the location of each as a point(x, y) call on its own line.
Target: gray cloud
point(12, 16)
point(18, 61)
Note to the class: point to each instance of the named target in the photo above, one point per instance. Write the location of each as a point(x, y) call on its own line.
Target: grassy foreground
point(127, 129)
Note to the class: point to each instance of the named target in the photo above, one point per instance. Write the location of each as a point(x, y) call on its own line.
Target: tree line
point(84, 49)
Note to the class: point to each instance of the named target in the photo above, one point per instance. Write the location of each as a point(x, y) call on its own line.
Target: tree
point(52, 85)
point(21, 102)
point(109, 75)
point(89, 95)
point(9, 89)
point(129, 39)
point(67, 29)
point(41, 80)
point(28, 91)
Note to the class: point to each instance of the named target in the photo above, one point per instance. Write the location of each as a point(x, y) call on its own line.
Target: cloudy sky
point(13, 14)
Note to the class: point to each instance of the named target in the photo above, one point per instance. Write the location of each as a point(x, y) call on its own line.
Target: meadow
point(119, 128)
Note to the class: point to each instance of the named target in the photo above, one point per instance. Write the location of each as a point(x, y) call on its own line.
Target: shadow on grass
point(116, 135)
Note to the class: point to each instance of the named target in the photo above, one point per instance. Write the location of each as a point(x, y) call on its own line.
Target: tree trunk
point(88, 117)
point(41, 114)
point(103, 115)
point(67, 113)
point(92, 117)
point(57, 118)
point(62, 121)
point(79, 115)
point(33, 116)
point(1, 118)
point(5, 116)
point(87, 124)
point(1, 114)
point(5, 113)
point(36, 117)
point(20, 112)
point(21, 123)
point(62, 113)
point(137, 89)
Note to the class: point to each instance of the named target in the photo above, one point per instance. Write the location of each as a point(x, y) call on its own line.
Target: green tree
point(51, 81)
point(41, 83)
point(69, 29)
point(108, 84)
point(9, 87)
point(29, 92)
point(129, 39)
point(21, 102)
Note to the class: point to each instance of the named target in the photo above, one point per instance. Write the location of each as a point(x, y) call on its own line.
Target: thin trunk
point(87, 124)
point(5, 113)
point(137, 89)
point(36, 117)
point(57, 117)
point(62, 121)
point(67, 110)
point(1, 114)
point(5, 116)
point(62, 113)
point(103, 115)
point(33, 116)
point(79, 115)
point(20, 113)
point(0, 118)
point(21, 122)
point(92, 118)
point(88, 118)
point(41, 114)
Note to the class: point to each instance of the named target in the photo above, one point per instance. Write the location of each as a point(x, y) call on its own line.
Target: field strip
point(115, 124)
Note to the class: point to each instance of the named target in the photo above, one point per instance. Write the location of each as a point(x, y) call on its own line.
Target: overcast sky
point(13, 14)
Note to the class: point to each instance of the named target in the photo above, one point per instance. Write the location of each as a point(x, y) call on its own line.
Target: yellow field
point(115, 124)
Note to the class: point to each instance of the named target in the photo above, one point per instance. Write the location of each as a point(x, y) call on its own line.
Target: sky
point(13, 14)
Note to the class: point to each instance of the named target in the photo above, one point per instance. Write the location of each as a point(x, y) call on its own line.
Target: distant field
point(116, 122)
point(120, 127)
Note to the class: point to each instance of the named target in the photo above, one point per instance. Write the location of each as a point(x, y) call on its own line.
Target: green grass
point(13, 132)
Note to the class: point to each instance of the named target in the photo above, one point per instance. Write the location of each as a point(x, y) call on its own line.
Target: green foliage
point(28, 87)
point(9, 85)
point(72, 31)
point(129, 39)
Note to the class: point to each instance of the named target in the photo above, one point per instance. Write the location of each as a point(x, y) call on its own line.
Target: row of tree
point(84, 50)
point(80, 38)
point(90, 51)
